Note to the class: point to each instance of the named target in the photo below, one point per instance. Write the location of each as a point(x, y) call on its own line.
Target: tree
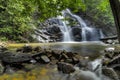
point(115, 6)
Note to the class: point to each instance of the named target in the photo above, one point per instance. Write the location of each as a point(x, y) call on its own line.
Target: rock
point(9, 70)
point(2, 48)
point(109, 41)
point(84, 75)
point(1, 68)
point(114, 62)
point(12, 57)
point(57, 53)
point(75, 60)
point(110, 73)
point(65, 67)
point(83, 63)
point(45, 59)
point(37, 49)
point(69, 61)
point(109, 49)
point(27, 49)
point(64, 56)
point(54, 29)
point(33, 61)
point(76, 33)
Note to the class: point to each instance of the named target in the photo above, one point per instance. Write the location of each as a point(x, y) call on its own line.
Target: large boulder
point(84, 75)
point(65, 67)
point(76, 31)
point(109, 72)
point(53, 29)
point(13, 57)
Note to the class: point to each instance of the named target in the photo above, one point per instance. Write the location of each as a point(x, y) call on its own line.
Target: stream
point(50, 72)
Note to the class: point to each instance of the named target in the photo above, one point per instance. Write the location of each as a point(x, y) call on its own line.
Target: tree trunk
point(115, 6)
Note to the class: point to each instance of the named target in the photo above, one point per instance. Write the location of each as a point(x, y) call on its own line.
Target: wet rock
point(70, 54)
point(69, 61)
point(12, 57)
point(64, 56)
point(9, 70)
point(45, 59)
point(109, 49)
point(57, 53)
point(65, 67)
point(75, 60)
point(54, 29)
point(114, 62)
point(2, 49)
point(110, 73)
point(77, 33)
point(85, 75)
point(83, 63)
point(33, 61)
point(37, 49)
point(109, 41)
point(27, 49)
point(1, 68)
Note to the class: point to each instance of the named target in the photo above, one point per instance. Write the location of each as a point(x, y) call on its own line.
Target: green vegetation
point(17, 17)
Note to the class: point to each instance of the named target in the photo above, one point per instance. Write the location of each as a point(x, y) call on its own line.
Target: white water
point(91, 33)
point(65, 30)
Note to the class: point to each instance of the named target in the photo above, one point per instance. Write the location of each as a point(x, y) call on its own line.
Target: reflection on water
point(91, 49)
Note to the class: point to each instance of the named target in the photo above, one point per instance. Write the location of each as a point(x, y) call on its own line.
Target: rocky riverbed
point(37, 63)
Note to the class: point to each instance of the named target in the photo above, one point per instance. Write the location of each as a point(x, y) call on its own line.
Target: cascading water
point(88, 33)
point(65, 30)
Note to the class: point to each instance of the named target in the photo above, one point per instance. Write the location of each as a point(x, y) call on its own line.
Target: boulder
point(37, 49)
point(109, 72)
point(85, 75)
point(76, 31)
point(53, 29)
point(1, 68)
point(13, 57)
point(45, 59)
point(27, 49)
point(65, 67)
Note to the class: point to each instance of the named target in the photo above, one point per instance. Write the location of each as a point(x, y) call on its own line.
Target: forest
point(59, 39)
point(18, 18)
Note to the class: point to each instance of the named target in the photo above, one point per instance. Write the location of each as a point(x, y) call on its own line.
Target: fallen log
point(107, 38)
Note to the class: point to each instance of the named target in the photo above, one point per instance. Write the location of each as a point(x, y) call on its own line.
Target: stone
point(83, 63)
point(65, 67)
point(109, 72)
point(109, 49)
point(45, 59)
point(13, 57)
point(37, 49)
point(85, 75)
point(27, 49)
point(109, 41)
point(9, 70)
point(1, 68)
point(75, 60)
point(53, 29)
point(2, 49)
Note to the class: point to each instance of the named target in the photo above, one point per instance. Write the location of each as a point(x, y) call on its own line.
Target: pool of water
point(45, 72)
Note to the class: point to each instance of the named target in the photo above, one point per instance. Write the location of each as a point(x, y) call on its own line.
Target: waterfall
point(65, 29)
point(91, 33)
point(79, 32)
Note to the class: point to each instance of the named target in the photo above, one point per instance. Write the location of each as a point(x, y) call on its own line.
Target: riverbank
point(46, 60)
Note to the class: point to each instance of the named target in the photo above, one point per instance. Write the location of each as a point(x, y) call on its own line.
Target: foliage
point(100, 10)
point(17, 17)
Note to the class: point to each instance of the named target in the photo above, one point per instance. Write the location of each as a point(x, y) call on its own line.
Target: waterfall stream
point(87, 33)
